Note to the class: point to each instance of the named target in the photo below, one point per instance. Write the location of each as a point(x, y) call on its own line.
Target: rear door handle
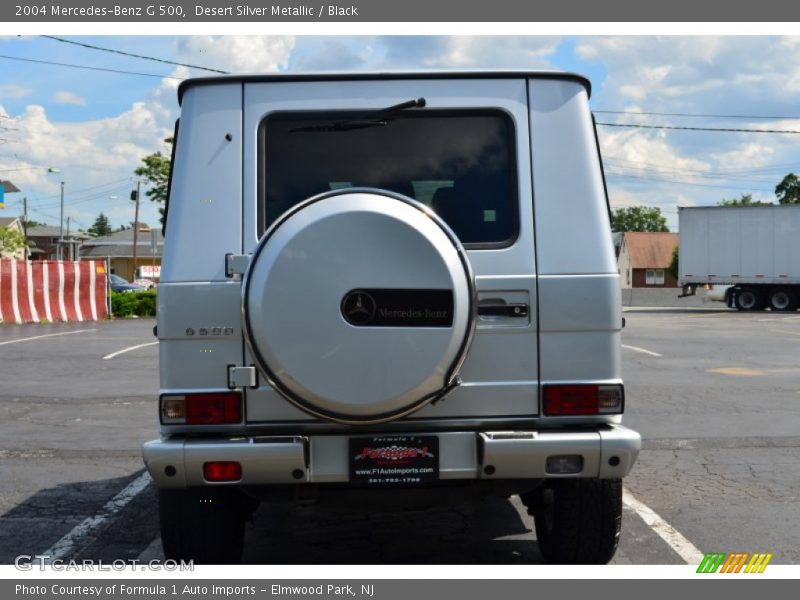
point(503, 310)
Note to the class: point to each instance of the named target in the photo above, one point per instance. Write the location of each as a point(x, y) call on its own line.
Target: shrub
point(140, 304)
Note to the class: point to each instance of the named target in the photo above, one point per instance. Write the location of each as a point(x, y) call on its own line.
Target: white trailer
point(754, 249)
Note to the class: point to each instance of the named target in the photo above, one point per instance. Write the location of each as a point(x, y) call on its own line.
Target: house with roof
point(13, 224)
point(117, 248)
point(644, 259)
point(43, 240)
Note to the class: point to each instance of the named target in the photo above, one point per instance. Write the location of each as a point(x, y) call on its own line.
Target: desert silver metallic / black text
point(276, 10)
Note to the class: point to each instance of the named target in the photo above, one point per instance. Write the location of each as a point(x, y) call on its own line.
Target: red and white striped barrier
point(52, 290)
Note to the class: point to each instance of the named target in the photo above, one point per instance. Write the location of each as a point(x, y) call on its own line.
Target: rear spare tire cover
point(359, 306)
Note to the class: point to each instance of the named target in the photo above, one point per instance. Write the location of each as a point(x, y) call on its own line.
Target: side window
point(460, 163)
point(654, 277)
point(169, 180)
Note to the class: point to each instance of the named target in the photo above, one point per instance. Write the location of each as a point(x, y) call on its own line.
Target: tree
point(743, 200)
point(101, 226)
point(638, 218)
point(155, 171)
point(11, 241)
point(673, 264)
point(788, 190)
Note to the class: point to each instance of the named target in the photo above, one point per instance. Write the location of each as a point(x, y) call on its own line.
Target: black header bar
point(442, 11)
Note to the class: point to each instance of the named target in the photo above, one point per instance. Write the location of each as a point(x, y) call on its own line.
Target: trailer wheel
point(782, 299)
point(749, 299)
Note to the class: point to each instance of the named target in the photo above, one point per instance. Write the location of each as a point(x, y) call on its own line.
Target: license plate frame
point(393, 460)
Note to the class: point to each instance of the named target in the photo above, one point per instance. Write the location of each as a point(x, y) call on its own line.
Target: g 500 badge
point(209, 331)
point(394, 460)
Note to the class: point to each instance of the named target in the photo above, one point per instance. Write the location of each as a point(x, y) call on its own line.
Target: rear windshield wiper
point(375, 118)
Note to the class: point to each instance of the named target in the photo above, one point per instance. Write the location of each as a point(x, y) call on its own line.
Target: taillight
point(579, 399)
point(222, 470)
point(202, 409)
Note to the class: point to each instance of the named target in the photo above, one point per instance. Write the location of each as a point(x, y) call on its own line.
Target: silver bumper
point(608, 452)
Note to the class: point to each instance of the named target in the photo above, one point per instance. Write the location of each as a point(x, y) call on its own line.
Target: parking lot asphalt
point(714, 393)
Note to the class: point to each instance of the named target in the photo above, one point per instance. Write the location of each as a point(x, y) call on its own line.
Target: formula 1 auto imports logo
point(721, 562)
point(394, 453)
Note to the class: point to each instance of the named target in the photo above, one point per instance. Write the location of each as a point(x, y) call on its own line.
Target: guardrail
point(52, 290)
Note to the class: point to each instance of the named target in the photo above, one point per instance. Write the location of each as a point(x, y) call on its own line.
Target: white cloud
point(466, 51)
point(702, 76)
point(64, 97)
point(14, 91)
point(237, 54)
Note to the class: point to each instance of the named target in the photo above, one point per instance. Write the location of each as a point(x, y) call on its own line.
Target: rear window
point(459, 163)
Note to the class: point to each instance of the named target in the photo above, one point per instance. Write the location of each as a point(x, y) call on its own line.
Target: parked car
point(405, 285)
point(147, 284)
point(119, 284)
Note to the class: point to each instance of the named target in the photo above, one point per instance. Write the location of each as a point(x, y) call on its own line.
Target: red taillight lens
point(223, 470)
point(570, 400)
point(213, 409)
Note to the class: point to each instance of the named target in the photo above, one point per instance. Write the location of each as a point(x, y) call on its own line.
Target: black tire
point(749, 299)
point(577, 520)
point(205, 525)
point(782, 299)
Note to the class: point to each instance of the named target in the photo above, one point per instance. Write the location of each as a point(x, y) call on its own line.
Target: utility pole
point(61, 230)
point(25, 216)
point(68, 242)
point(135, 196)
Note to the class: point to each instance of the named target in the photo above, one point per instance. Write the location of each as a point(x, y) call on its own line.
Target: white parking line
point(67, 544)
point(124, 350)
point(46, 335)
point(683, 547)
point(642, 350)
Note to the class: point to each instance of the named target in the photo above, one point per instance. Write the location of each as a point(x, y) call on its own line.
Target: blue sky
point(95, 126)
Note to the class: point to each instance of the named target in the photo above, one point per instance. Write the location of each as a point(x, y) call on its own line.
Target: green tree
point(638, 218)
point(788, 190)
point(11, 241)
point(155, 171)
point(743, 200)
point(101, 226)
point(673, 264)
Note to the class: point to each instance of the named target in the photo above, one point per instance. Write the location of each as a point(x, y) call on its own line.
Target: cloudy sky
point(96, 125)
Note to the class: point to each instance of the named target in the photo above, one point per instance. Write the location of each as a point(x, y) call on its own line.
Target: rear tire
point(577, 520)
point(749, 299)
point(205, 525)
point(782, 299)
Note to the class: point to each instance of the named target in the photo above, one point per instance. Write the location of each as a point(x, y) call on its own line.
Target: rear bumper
point(608, 452)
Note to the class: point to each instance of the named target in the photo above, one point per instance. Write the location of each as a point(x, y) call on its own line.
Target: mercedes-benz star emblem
point(358, 308)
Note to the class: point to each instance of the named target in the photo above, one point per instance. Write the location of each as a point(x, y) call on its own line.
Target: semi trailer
point(753, 249)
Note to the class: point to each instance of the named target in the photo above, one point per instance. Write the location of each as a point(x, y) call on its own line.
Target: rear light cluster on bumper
point(222, 470)
point(224, 408)
point(580, 399)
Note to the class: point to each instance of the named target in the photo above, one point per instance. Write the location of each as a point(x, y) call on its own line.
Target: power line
point(113, 51)
point(58, 64)
point(86, 189)
point(726, 129)
point(722, 187)
point(710, 116)
point(739, 170)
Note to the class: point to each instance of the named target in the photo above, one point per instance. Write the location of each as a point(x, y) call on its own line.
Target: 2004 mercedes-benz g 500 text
point(394, 283)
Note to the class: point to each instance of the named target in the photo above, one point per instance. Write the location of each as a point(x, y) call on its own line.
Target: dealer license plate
point(394, 460)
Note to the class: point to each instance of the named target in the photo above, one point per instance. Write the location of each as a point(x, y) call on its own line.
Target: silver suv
point(389, 284)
